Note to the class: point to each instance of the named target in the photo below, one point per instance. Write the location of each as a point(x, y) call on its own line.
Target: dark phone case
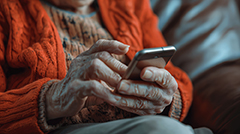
point(157, 57)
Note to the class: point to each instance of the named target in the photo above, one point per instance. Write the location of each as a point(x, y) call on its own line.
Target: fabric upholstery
point(207, 36)
point(216, 102)
point(205, 32)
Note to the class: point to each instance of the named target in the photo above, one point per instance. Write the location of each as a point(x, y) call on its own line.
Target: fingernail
point(123, 87)
point(123, 47)
point(147, 74)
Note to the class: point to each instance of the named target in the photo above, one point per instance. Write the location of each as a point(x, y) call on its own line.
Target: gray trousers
point(138, 125)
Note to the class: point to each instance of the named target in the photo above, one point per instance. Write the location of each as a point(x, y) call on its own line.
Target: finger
point(111, 46)
point(107, 58)
point(93, 88)
point(137, 103)
point(97, 70)
point(144, 111)
point(161, 76)
point(150, 91)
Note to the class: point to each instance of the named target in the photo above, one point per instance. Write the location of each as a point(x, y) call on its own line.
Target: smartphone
point(157, 57)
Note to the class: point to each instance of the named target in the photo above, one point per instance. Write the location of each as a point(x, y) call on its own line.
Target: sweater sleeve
point(18, 107)
point(26, 64)
point(152, 37)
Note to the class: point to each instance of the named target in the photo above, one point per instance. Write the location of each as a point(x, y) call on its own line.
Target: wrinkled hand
point(82, 85)
point(150, 96)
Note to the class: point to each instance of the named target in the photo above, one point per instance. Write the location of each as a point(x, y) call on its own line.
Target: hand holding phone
point(157, 57)
point(155, 91)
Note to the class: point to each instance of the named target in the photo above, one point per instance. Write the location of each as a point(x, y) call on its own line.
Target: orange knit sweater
point(31, 54)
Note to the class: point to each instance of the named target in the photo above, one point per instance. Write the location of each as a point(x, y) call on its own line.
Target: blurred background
point(205, 32)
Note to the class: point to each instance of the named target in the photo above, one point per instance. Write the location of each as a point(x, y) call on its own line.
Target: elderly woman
point(59, 59)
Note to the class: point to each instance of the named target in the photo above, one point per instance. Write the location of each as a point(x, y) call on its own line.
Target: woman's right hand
point(82, 85)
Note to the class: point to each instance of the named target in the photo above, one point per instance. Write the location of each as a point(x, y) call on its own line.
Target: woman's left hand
point(147, 97)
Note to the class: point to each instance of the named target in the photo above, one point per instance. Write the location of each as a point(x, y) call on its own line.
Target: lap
point(140, 125)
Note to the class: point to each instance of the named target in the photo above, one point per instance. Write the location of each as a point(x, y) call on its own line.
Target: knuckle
point(115, 76)
point(147, 93)
point(167, 101)
point(140, 104)
point(167, 81)
point(153, 93)
point(163, 102)
point(124, 103)
point(136, 89)
point(94, 84)
point(170, 83)
point(104, 54)
point(99, 45)
point(99, 42)
point(162, 77)
point(167, 77)
point(112, 42)
point(120, 66)
point(95, 64)
point(74, 83)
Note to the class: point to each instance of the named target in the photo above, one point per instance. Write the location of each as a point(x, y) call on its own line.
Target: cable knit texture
point(44, 125)
point(133, 22)
point(31, 54)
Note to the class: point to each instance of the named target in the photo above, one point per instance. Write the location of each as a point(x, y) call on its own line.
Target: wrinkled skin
point(89, 74)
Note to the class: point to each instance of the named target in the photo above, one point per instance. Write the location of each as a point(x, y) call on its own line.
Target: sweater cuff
point(42, 121)
point(176, 106)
